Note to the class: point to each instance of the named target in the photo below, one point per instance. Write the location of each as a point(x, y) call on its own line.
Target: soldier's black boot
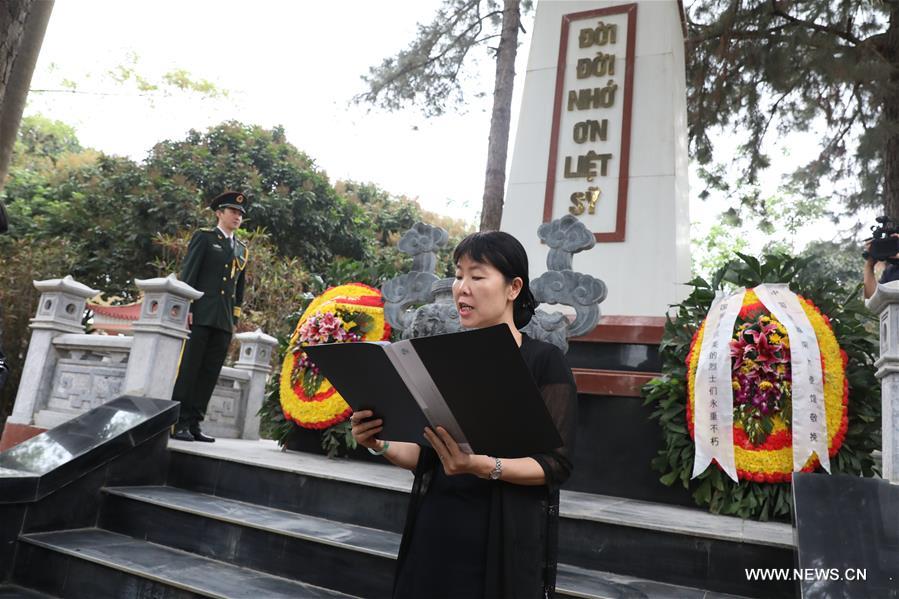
point(181, 433)
point(199, 436)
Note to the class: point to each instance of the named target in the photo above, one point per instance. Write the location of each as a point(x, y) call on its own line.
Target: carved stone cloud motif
point(560, 284)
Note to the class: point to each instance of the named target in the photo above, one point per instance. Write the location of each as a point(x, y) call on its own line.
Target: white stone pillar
point(159, 335)
point(256, 350)
point(885, 303)
point(59, 311)
point(616, 157)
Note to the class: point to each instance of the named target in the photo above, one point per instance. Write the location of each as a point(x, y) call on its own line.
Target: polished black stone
point(42, 464)
point(847, 536)
point(616, 441)
point(578, 582)
point(631, 357)
point(131, 566)
point(256, 537)
point(326, 498)
point(8, 591)
point(713, 564)
point(12, 517)
point(77, 504)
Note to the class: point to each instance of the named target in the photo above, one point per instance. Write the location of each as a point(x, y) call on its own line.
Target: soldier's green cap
point(230, 199)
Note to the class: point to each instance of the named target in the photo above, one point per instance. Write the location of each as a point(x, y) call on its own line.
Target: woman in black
point(484, 526)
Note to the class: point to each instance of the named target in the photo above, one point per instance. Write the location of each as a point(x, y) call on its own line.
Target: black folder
point(475, 384)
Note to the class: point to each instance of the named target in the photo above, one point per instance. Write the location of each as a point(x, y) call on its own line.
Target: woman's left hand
point(454, 460)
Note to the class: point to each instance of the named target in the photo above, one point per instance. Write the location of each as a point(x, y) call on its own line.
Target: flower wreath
point(761, 381)
point(343, 314)
point(760, 355)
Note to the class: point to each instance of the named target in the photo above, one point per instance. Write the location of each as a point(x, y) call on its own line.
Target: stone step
point(239, 532)
point(647, 540)
point(97, 564)
point(11, 591)
point(572, 581)
point(345, 557)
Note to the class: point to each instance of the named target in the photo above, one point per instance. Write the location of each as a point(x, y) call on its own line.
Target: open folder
point(474, 384)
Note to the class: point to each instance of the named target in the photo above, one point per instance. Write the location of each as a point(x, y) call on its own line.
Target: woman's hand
point(365, 430)
point(453, 459)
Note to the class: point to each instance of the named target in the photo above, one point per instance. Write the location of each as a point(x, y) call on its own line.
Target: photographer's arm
point(870, 278)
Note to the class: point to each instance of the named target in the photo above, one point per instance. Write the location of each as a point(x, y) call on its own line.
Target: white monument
point(602, 134)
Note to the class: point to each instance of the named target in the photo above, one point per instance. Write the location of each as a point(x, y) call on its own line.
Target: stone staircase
point(243, 519)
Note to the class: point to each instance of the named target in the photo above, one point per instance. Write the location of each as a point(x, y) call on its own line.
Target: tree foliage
point(107, 220)
point(24, 260)
point(111, 209)
point(775, 223)
point(769, 67)
point(130, 77)
point(431, 71)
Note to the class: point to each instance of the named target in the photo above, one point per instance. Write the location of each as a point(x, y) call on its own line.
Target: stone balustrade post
point(885, 303)
point(59, 312)
point(256, 350)
point(159, 335)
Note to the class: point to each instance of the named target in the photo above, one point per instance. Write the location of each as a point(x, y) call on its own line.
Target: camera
point(883, 245)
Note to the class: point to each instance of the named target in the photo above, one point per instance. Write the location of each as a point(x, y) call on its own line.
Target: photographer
point(882, 247)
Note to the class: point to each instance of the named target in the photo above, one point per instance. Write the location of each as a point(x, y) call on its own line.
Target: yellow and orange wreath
point(767, 457)
point(343, 314)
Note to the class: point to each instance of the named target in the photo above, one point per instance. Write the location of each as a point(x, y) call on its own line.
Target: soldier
point(215, 264)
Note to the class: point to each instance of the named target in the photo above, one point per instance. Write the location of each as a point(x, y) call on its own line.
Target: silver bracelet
point(497, 471)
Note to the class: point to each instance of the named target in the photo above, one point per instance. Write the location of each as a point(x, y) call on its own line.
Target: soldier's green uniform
point(216, 266)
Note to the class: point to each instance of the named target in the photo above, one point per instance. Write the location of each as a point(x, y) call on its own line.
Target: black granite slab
point(330, 532)
point(270, 540)
point(847, 536)
point(579, 582)
point(9, 591)
point(615, 443)
point(182, 573)
point(648, 541)
point(37, 467)
point(631, 357)
point(677, 559)
point(77, 504)
point(326, 498)
point(273, 541)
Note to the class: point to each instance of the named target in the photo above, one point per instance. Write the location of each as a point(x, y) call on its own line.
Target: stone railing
point(885, 303)
point(90, 370)
point(68, 372)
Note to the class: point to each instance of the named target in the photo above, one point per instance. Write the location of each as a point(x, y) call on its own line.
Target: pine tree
point(428, 74)
point(768, 67)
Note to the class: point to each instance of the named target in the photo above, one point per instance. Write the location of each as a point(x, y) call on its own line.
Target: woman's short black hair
point(507, 255)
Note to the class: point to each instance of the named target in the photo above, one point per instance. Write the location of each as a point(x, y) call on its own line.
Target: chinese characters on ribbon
point(714, 396)
point(809, 422)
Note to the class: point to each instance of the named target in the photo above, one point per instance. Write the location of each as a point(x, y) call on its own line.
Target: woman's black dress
point(468, 538)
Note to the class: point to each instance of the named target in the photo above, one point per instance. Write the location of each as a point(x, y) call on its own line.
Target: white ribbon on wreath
point(713, 392)
point(809, 417)
point(713, 413)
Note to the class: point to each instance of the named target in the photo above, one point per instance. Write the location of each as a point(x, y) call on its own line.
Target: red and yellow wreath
point(343, 314)
point(761, 382)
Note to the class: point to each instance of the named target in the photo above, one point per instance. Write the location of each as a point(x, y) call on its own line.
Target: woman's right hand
point(365, 431)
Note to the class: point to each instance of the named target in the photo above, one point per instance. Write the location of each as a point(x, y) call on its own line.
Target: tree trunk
point(891, 114)
point(500, 120)
point(22, 27)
